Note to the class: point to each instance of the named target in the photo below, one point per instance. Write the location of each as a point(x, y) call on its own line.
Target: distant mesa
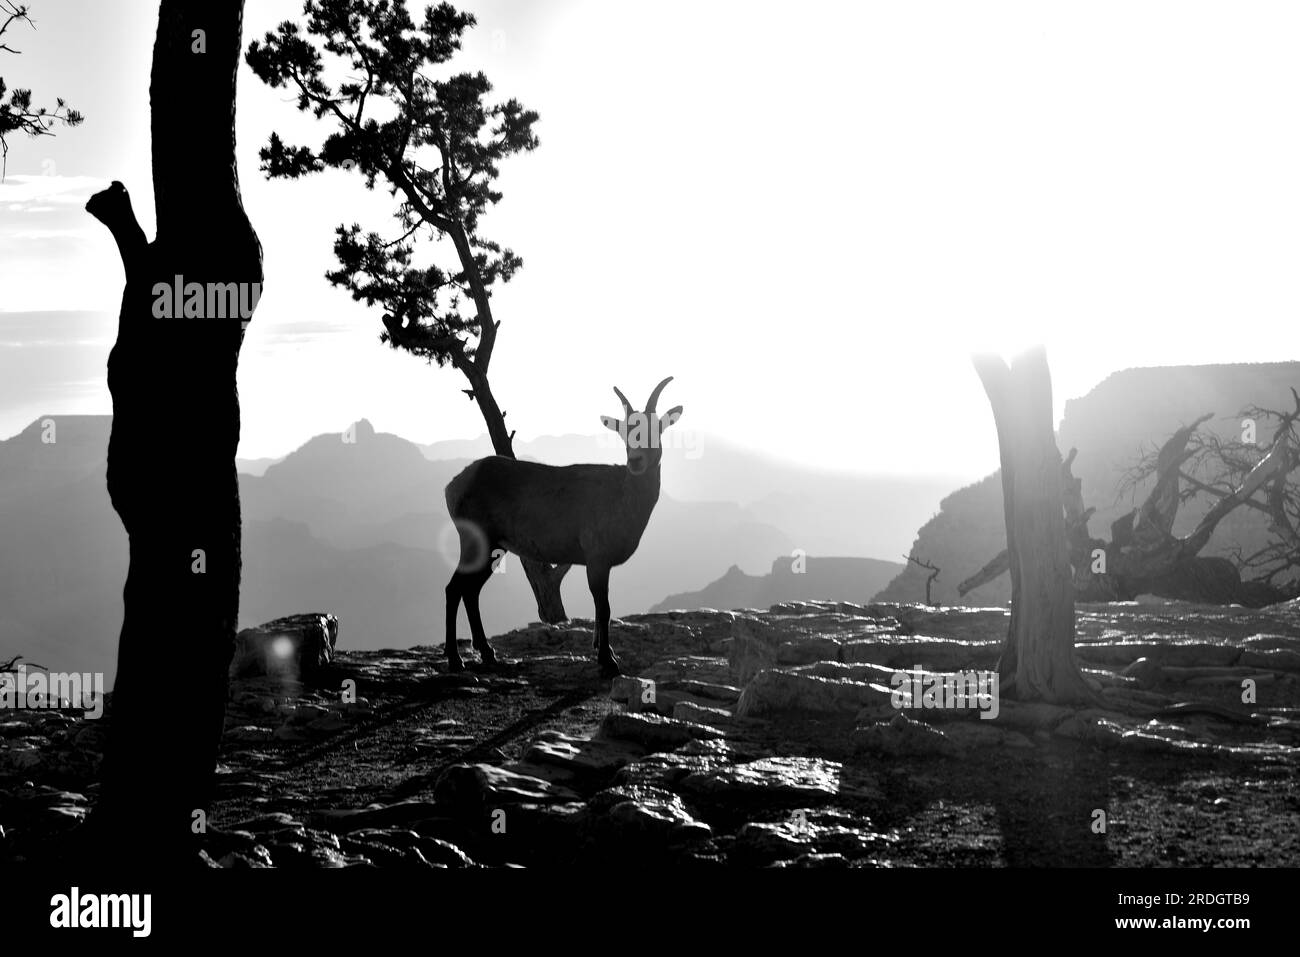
point(791, 579)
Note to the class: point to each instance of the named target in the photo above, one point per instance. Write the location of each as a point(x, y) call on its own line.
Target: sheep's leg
point(454, 588)
point(474, 583)
point(598, 581)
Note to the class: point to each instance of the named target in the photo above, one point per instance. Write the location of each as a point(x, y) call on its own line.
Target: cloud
point(18, 191)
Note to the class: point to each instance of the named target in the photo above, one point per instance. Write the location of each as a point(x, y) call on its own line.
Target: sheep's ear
point(669, 417)
point(609, 422)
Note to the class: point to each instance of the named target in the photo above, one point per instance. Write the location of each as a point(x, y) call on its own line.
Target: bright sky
point(807, 214)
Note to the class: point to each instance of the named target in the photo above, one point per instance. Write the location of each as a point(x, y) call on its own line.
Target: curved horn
point(654, 396)
point(627, 406)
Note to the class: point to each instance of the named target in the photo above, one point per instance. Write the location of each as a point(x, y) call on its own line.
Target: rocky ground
point(744, 738)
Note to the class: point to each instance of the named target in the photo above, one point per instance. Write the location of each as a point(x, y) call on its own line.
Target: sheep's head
point(641, 431)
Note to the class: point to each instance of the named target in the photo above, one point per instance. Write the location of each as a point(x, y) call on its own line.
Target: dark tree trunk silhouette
point(544, 579)
point(171, 454)
point(1037, 661)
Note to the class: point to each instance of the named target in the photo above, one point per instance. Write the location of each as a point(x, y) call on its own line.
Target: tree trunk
point(1037, 661)
point(544, 579)
point(171, 453)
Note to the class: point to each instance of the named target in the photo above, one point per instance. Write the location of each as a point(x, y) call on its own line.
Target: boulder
point(298, 647)
point(637, 693)
point(582, 756)
point(768, 781)
point(799, 838)
point(641, 814)
point(480, 786)
point(666, 769)
point(777, 690)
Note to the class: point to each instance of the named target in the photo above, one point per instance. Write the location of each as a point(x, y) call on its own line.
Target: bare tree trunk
point(995, 568)
point(931, 569)
point(544, 579)
point(1037, 661)
point(171, 455)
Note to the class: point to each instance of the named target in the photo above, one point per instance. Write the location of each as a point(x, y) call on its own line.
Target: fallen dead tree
point(1144, 556)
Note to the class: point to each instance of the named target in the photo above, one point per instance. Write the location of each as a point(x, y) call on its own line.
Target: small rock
point(581, 755)
point(655, 732)
point(769, 842)
point(328, 857)
point(636, 693)
point(255, 857)
point(479, 786)
point(774, 780)
point(248, 734)
point(666, 769)
point(647, 813)
point(902, 736)
point(222, 842)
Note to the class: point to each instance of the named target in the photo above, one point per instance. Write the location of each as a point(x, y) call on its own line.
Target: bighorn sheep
point(590, 515)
